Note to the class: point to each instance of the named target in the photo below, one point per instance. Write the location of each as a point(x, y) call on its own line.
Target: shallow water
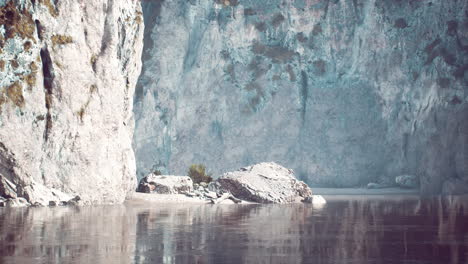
point(360, 230)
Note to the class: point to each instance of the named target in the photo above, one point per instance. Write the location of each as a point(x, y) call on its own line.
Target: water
point(362, 230)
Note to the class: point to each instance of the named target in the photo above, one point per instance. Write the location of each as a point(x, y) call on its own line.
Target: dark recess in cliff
point(39, 29)
point(47, 71)
point(151, 14)
point(304, 94)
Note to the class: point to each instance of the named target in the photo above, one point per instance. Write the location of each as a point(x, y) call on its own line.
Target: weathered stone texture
point(343, 92)
point(68, 72)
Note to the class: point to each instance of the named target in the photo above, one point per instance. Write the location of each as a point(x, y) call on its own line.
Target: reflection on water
point(348, 230)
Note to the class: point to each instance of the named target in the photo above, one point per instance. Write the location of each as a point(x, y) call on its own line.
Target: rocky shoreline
point(265, 182)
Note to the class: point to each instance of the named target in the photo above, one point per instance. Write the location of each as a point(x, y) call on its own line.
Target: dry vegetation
point(198, 173)
point(61, 40)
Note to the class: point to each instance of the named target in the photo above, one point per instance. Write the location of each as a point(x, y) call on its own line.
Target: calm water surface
point(346, 230)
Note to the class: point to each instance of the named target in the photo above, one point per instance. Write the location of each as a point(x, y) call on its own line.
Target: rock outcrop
point(343, 92)
point(14, 202)
point(265, 182)
point(165, 184)
point(67, 75)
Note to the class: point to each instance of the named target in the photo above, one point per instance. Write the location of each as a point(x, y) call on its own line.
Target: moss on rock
point(52, 10)
point(27, 45)
point(30, 79)
point(139, 17)
point(17, 22)
point(61, 40)
point(15, 93)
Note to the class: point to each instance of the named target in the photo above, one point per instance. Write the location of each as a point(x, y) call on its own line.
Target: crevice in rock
point(39, 29)
point(122, 39)
point(304, 93)
point(151, 17)
point(47, 70)
point(107, 36)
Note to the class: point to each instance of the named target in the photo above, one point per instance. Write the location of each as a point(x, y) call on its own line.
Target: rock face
point(265, 182)
point(67, 74)
point(7, 188)
point(15, 202)
point(343, 92)
point(165, 184)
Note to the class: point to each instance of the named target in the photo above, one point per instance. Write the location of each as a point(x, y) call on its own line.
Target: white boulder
point(166, 184)
point(265, 182)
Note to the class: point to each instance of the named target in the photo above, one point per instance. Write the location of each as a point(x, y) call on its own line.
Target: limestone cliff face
point(344, 92)
point(67, 74)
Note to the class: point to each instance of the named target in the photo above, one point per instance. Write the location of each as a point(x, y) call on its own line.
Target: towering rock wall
point(344, 92)
point(68, 70)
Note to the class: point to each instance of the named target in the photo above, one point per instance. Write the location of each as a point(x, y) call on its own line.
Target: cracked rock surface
point(265, 182)
point(67, 74)
point(343, 92)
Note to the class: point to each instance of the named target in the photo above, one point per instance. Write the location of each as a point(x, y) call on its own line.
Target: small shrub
point(198, 174)
point(157, 172)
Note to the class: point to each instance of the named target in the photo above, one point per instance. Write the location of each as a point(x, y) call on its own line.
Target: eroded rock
point(343, 92)
point(15, 202)
point(67, 76)
point(265, 182)
point(166, 184)
point(7, 188)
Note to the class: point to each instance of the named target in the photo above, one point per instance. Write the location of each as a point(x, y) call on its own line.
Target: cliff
point(67, 75)
point(343, 92)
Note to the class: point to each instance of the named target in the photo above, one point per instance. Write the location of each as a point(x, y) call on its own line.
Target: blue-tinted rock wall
point(343, 92)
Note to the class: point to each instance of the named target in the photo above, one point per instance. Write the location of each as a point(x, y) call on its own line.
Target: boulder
point(455, 187)
point(265, 182)
point(407, 181)
point(165, 184)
